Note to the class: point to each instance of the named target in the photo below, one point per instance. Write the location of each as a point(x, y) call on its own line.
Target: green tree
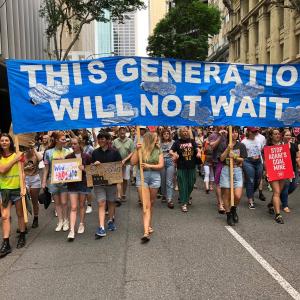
point(72, 15)
point(184, 31)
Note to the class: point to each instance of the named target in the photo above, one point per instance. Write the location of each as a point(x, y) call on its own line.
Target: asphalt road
point(190, 256)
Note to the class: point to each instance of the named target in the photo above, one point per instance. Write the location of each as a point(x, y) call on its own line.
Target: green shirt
point(125, 147)
point(154, 156)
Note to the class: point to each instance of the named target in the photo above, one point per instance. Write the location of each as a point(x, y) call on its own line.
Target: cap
point(252, 129)
point(143, 127)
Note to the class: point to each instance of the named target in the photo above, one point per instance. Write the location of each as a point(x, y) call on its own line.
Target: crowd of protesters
point(171, 158)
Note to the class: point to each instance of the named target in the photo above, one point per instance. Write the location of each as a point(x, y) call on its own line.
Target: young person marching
point(59, 191)
point(105, 193)
point(290, 185)
point(185, 153)
point(125, 147)
point(237, 151)
point(152, 163)
point(78, 190)
point(275, 138)
point(168, 171)
point(10, 192)
point(33, 179)
point(252, 165)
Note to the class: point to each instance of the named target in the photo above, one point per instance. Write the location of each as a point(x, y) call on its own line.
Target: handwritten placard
point(66, 170)
point(104, 174)
point(278, 162)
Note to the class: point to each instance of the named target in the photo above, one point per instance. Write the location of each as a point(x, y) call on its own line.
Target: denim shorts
point(152, 179)
point(9, 195)
point(78, 188)
point(237, 177)
point(57, 188)
point(33, 182)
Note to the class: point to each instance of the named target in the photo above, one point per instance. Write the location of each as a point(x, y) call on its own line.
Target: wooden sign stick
point(22, 181)
point(138, 132)
point(231, 170)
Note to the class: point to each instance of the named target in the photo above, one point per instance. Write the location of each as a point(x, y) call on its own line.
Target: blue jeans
point(167, 178)
point(289, 187)
point(253, 170)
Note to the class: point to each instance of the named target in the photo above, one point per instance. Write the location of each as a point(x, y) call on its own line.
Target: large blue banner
point(49, 95)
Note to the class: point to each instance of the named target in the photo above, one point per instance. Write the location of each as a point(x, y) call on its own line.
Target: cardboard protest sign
point(66, 170)
point(278, 162)
point(104, 174)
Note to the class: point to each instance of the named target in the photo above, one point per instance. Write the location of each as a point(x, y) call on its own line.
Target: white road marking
point(285, 285)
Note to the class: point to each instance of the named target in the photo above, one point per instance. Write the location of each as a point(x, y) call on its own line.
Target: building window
point(281, 53)
point(281, 17)
point(297, 44)
point(268, 24)
point(237, 49)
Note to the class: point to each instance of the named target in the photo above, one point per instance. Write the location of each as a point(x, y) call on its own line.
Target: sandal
point(279, 219)
point(184, 208)
point(145, 238)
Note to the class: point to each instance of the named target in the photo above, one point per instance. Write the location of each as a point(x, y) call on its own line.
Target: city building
point(124, 35)
point(22, 36)
point(157, 10)
point(263, 33)
point(22, 31)
point(85, 46)
point(218, 45)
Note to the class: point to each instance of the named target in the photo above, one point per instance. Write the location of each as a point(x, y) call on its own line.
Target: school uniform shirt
point(187, 150)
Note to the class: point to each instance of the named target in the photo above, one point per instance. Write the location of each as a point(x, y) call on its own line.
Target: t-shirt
point(54, 154)
point(31, 165)
point(218, 150)
point(125, 147)
point(108, 155)
point(239, 149)
point(253, 147)
point(88, 149)
point(261, 140)
point(187, 150)
point(166, 147)
point(11, 179)
point(154, 157)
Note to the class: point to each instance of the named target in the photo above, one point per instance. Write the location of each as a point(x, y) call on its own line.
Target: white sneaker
point(80, 228)
point(66, 225)
point(59, 226)
point(71, 235)
point(89, 209)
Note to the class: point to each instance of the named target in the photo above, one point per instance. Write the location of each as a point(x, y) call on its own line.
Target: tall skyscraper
point(124, 35)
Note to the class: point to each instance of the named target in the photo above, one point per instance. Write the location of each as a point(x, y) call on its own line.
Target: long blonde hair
point(149, 143)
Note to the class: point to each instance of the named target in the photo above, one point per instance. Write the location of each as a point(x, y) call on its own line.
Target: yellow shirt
point(11, 179)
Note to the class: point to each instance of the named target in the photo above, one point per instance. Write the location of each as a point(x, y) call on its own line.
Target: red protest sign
point(278, 162)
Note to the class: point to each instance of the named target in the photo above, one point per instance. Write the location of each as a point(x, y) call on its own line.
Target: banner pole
point(22, 181)
point(138, 132)
point(231, 170)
